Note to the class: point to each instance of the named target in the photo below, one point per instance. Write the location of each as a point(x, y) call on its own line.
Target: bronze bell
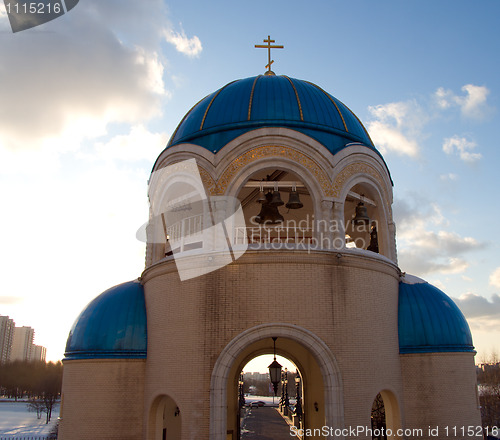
point(373, 240)
point(269, 214)
point(276, 199)
point(361, 217)
point(262, 197)
point(294, 201)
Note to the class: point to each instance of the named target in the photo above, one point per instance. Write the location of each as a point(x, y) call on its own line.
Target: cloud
point(188, 46)
point(474, 306)
point(483, 315)
point(495, 278)
point(72, 82)
point(448, 177)
point(139, 144)
point(425, 243)
point(472, 105)
point(9, 300)
point(462, 147)
point(397, 126)
point(389, 139)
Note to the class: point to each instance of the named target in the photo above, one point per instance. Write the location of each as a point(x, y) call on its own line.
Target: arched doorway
point(378, 421)
point(323, 398)
point(385, 416)
point(267, 409)
point(165, 421)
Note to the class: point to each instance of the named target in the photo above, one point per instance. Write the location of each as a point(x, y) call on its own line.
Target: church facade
point(160, 357)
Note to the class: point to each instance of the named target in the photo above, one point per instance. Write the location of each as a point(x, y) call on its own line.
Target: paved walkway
point(264, 423)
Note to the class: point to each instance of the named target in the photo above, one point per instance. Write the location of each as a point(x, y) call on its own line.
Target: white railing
point(186, 227)
point(190, 230)
point(268, 234)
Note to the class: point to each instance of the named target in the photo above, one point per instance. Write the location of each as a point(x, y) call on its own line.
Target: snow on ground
point(16, 420)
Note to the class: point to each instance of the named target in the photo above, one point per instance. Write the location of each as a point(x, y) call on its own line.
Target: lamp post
point(275, 371)
point(241, 391)
point(282, 399)
point(286, 402)
point(298, 405)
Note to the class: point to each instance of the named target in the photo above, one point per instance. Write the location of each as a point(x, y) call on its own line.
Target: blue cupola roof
point(429, 321)
point(113, 325)
point(270, 101)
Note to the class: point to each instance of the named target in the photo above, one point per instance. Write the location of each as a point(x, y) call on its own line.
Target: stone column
point(392, 242)
point(325, 225)
point(338, 225)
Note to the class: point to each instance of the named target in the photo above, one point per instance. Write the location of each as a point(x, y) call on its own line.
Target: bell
point(361, 217)
point(294, 201)
point(269, 215)
point(373, 240)
point(262, 197)
point(276, 200)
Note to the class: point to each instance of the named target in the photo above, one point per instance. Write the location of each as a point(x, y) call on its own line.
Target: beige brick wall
point(440, 392)
point(348, 302)
point(102, 400)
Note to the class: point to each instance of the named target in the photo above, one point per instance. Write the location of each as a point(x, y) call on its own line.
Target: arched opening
point(365, 219)
point(178, 210)
point(165, 420)
point(392, 413)
point(278, 208)
point(385, 416)
point(263, 405)
point(378, 421)
point(321, 379)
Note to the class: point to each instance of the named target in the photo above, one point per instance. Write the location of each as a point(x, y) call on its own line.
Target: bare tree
point(51, 385)
point(36, 405)
point(489, 391)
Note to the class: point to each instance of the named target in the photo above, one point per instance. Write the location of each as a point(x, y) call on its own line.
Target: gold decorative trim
point(208, 108)
point(296, 96)
point(274, 151)
point(358, 168)
point(334, 103)
point(183, 119)
point(359, 121)
point(208, 181)
point(251, 96)
point(211, 101)
point(329, 188)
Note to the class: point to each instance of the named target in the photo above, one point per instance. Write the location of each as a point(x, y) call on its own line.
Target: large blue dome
point(429, 321)
point(113, 325)
point(270, 101)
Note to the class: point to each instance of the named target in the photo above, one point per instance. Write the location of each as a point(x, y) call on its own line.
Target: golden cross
point(269, 47)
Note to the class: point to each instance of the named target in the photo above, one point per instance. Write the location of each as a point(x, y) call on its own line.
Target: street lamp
point(275, 370)
point(241, 385)
point(298, 405)
point(286, 402)
point(282, 399)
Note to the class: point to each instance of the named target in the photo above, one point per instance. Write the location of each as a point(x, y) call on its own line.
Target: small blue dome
point(270, 101)
point(429, 321)
point(113, 325)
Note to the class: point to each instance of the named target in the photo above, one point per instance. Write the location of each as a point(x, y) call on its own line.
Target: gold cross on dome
point(269, 47)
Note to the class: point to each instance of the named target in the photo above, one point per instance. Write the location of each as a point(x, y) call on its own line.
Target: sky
point(89, 100)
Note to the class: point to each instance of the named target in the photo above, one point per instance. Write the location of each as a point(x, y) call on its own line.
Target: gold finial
point(269, 47)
